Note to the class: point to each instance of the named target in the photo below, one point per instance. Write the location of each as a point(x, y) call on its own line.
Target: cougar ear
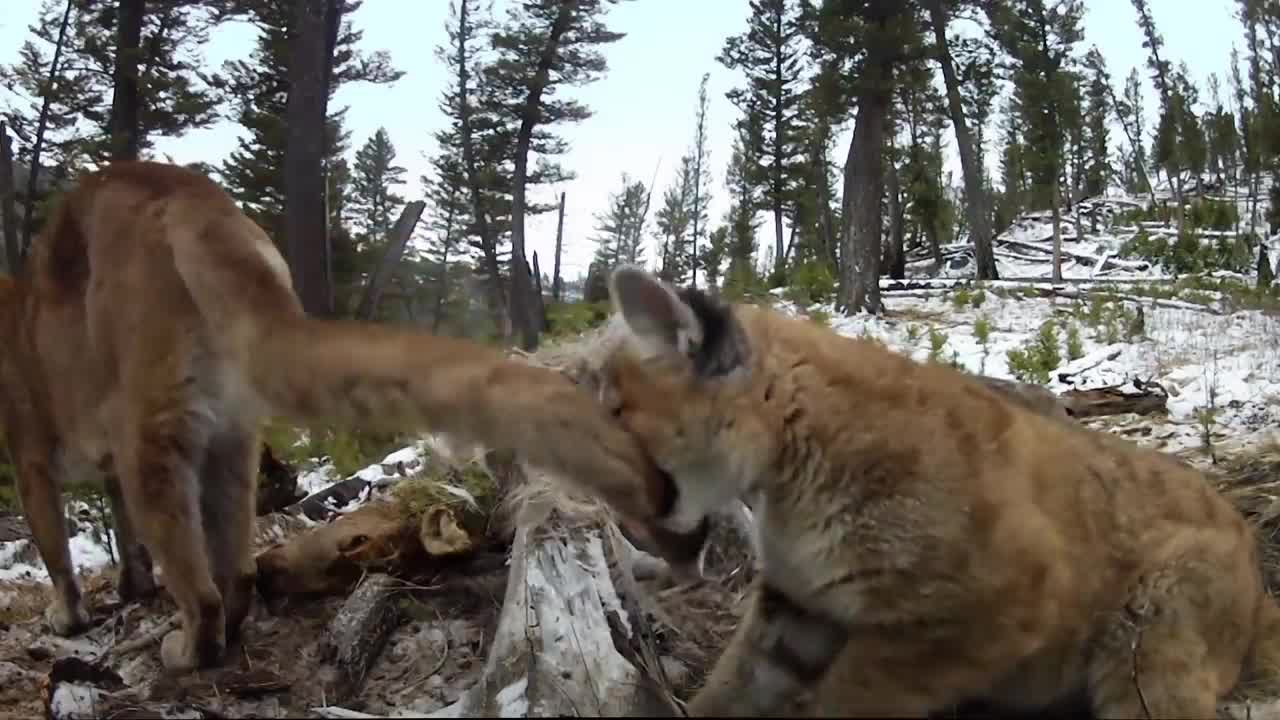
point(686, 322)
point(653, 312)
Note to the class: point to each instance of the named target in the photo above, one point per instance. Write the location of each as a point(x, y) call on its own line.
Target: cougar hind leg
point(39, 489)
point(228, 504)
point(135, 581)
point(158, 476)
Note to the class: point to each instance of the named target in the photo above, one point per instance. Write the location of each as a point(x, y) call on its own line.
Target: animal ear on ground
point(653, 312)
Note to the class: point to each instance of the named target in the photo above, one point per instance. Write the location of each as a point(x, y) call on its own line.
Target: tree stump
point(554, 652)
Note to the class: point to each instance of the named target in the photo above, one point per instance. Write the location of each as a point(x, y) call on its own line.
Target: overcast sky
point(644, 106)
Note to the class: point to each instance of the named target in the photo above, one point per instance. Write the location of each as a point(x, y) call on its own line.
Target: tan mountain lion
point(925, 539)
point(154, 328)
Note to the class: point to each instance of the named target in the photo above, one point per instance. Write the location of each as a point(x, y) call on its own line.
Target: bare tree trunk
point(496, 296)
point(863, 185)
point(1057, 231)
point(518, 301)
point(305, 222)
point(539, 306)
point(400, 234)
point(971, 167)
point(442, 291)
point(126, 132)
point(29, 203)
point(555, 274)
point(8, 209)
point(895, 253)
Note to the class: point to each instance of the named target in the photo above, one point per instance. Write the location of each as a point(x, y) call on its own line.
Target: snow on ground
point(1192, 353)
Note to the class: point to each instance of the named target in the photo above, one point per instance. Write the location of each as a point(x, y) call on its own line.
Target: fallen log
point(1097, 402)
point(358, 633)
point(1078, 294)
point(554, 650)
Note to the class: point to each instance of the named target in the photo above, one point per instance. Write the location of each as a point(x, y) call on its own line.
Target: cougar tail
point(375, 376)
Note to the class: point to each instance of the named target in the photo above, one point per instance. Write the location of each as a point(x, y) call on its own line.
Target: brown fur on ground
point(925, 541)
point(154, 328)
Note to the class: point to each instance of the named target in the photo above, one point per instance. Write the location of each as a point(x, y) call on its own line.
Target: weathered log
point(554, 652)
point(1076, 294)
point(1097, 402)
point(358, 633)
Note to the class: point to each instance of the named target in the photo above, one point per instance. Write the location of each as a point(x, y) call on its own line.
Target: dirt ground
point(432, 656)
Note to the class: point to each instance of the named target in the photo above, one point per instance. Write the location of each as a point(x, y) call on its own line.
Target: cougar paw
point(179, 655)
point(176, 654)
point(66, 618)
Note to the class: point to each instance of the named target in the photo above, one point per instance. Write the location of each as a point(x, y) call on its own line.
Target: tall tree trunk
point(8, 209)
point(386, 267)
point(518, 301)
point(126, 132)
point(488, 242)
point(442, 292)
point(895, 253)
point(539, 305)
point(779, 251)
point(305, 222)
point(555, 273)
point(33, 184)
point(971, 167)
point(1057, 230)
point(863, 185)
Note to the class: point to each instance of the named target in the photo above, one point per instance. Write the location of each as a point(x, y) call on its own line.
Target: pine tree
point(1220, 128)
point(770, 55)
point(1012, 199)
point(701, 190)
point(921, 115)
point(889, 33)
point(969, 147)
point(174, 93)
point(543, 46)
point(479, 141)
point(1039, 37)
point(741, 218)
point(373, 202)
point(711, 258)
point(1098, 171)
point(446, 225)
point(254, 171)
point(620, 229)
point(674, 220)
point(1129, 110)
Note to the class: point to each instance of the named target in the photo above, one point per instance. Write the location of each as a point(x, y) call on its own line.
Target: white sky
point(644, 106)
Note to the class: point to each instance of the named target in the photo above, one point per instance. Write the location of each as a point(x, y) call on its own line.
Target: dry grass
point(1252, 482)
point(22, 602)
